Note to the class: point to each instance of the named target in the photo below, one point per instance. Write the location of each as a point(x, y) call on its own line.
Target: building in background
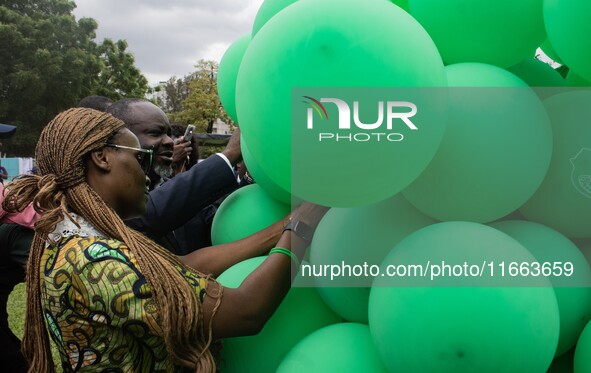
point(221, 128)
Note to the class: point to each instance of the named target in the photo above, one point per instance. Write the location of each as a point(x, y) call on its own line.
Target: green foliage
point(119, 78)
point(16, 317)
point(198, 93)
point(206, 151)
point(49, 61)
point(177, 91)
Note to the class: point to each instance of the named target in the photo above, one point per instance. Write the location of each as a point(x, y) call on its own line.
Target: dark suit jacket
point(180, 199)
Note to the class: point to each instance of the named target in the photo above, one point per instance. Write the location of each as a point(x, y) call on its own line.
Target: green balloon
point(326, 44)
point(498, 32)
point(343, 348)
point(573, 293)
point(261, 178)
point(267, 10)
point(460, 324)
point(301, 313)
point(401, 3)
point(227, 72)
point(356, 236)
point(569, 31)
point(575, 80)
point(583, 351)
point(495, 152)
point(244, 212)
point(550, 52)
point(537, 73)
point(563, 201)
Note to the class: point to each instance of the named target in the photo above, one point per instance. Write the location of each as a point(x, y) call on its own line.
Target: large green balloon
point(498, 32)
point(267, 10)
point(583, 351)
point(563, 201)
point(575, 80)
point(343, 348)
point(569, 31)
point(573, 293)
point(261, 178)
point(244, 212)
point(334, 43)
point(301, 313)
point(454, 324)
point(227, 72)
point(495, 152)
point(356, 236)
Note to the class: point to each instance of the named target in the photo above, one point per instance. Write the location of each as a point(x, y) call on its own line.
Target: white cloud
point(168, 37)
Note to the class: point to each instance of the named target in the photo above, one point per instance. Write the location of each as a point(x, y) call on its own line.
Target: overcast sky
point(168, 37)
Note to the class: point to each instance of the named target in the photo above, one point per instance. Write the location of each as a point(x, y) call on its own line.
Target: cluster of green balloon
point(325, 44)
point(563, 200)
point(344, 347)
point(462, 324)
point(356, 236)
point(244, 212)
point(472, 177)
point(261, 178)
point(569, 31)
point(582, 355)
point(271, 7)
point(301, 313)
point(227, 73)
point(573, 292)
point(468, 31)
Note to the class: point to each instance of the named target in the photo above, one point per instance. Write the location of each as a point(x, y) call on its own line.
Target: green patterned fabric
point(99, 310)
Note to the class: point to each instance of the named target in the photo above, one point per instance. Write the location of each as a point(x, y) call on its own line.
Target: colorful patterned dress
point(98, 307)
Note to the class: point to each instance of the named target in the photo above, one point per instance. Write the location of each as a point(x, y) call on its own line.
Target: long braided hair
point(60, 187)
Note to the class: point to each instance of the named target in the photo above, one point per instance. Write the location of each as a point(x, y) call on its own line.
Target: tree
point(119, 78)
point(202, 106)
point(176, 92)
point(48, 62)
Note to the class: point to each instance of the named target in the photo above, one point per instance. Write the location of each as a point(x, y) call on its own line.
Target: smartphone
point(189, 132)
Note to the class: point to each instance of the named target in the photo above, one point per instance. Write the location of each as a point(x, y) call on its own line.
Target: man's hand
point(232, 150)
point(180, 155)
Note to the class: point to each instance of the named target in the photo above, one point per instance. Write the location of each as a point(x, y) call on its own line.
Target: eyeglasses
point(143, 156)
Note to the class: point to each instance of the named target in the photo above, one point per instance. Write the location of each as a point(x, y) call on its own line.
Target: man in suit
point(179, 201)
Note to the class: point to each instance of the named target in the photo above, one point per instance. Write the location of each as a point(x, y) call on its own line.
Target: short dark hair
point(178, 129)
point(100, 103)
point(122, 109)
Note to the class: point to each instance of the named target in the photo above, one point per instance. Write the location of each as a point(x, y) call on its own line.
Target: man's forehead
point(146, 116)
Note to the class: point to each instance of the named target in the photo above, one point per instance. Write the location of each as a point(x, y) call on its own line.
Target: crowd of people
point(114, 229)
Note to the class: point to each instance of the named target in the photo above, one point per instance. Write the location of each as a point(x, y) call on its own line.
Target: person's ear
point(101, 159)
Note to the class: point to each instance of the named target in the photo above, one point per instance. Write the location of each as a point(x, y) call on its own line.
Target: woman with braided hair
point(112, 299)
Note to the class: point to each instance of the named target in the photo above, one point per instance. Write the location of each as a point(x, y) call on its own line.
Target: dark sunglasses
point(143, 156)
